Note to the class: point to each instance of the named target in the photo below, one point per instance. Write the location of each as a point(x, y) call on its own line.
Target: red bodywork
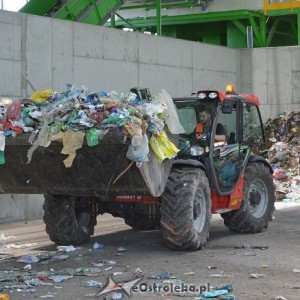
point(222, 96)
point(219, 203)
point(228, 202)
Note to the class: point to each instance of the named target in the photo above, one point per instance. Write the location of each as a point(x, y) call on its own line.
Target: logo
point(113, 286)
point(175, 288)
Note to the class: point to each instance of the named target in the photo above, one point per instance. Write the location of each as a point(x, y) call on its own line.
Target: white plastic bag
point(172, 120)
point(138, 149)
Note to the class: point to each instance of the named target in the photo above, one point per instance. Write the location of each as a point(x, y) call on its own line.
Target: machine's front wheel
point(258, 201)
point(69, 220)
point(186, 209)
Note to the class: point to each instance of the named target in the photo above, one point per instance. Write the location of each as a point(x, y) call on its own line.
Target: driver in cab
point(203, 127)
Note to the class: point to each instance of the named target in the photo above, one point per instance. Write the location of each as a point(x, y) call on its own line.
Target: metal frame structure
point(277, 24)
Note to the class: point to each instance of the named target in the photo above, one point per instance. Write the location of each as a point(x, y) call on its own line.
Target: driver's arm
point(220, 135)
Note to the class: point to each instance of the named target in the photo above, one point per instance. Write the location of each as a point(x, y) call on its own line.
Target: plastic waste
point(98, 246)
point(92, 137)
point(114, 118)
point(257, 276)
point(116, 296)
point(4, 296)
point(40, 97)
point(151, 109)
point(138, 150)
point(214, 294)
point(60, 278)
point(121, 249)
point(2, 141)
point(13, 111)
point(2, 158)
point(163, 147)
point(117, 273)
point(172, 120)
point(27, 267)
point(138, 272)
point(228, 297)
point(72, 141)
point(28, 259)
point(227, 287)
point(60, 257)
point(66, 248)
point(296, 270)
point(93, 283)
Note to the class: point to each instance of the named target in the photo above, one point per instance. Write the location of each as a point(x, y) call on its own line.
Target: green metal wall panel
point(38, 7)
point(235, 38)
point(212, 39)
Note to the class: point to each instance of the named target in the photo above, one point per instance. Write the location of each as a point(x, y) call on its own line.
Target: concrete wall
point(20, 207)
point(273, 74)
point(50, 53)
point(38, 53)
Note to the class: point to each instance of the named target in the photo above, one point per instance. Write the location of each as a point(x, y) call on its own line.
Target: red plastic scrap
point(13, 111)
point(8, 125)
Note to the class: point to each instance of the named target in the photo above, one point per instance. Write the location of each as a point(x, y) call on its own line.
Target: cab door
point(229, 158)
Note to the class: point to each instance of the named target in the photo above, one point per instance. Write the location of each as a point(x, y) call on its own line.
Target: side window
point(252, 129)
point(187, 118)
point(228, 121)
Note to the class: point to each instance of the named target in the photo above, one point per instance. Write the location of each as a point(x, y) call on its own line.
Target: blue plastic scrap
point(214, 294)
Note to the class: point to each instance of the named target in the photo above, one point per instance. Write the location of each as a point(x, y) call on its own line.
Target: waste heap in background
point(282, 150)
point(76, 114)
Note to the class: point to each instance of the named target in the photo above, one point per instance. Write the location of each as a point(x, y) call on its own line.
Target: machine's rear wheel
point(186, 209)
point(258, 201)
point(69, 220)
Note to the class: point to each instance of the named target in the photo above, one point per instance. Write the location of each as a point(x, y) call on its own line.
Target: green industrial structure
point(276, 23)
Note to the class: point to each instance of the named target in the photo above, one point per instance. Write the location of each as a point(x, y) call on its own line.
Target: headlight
point(213, 95)
point(201, 95)
point(196, 150)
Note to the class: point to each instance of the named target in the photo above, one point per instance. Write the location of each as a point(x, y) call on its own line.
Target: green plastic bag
point(2, 158)
point(92, 137)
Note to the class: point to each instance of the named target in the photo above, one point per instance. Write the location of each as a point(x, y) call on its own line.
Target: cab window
point(252, 129)
point(187, 118)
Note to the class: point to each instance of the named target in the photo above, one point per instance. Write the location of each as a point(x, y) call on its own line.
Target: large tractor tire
point(186, 209)
point(69, 220)
point(258, 201)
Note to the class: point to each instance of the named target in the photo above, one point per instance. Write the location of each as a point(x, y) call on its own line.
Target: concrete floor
point(224, 260)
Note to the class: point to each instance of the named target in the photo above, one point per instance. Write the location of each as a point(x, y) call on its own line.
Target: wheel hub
point(255, 198)
point(199, 211)
point(196, 209)
point(258, 198)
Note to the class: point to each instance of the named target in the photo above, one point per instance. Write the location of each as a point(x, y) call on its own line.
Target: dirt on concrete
point(258, 266)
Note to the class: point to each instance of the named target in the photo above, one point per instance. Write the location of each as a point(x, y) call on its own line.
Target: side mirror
point(227, 106)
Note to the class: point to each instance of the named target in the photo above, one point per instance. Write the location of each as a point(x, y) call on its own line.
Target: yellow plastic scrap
point(72, 141)
point(40, 97)
point(163, 147)
point(133, 128)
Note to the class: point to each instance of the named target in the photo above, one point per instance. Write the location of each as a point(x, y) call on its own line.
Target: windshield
point(192, 114)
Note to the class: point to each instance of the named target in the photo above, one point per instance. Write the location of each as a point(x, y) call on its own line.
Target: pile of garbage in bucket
point(282, 150)
point(76, 115)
